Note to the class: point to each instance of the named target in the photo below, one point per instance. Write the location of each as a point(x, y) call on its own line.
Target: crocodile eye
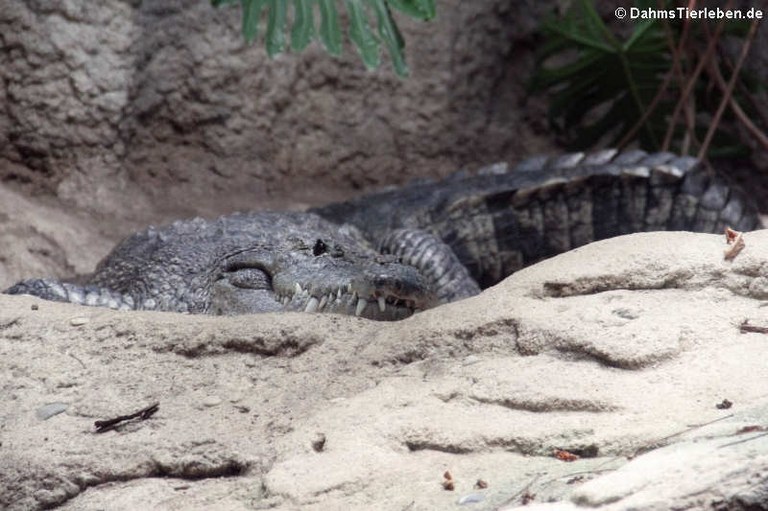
point(319, 248)
point(249, 278)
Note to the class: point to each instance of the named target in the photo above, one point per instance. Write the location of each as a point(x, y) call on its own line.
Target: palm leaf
point(276, 27)
point(370, 25)
point(251, 15)
point(360, 34)
point(604, 88)
point(303, 24)
point(330, 33)
point(419, 9)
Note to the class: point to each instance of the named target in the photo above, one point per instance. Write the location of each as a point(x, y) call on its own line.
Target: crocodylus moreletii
point(387, 255)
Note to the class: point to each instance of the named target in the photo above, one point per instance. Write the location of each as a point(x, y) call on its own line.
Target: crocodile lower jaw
point(381, 308)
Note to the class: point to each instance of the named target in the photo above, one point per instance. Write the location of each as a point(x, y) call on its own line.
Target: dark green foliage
point(370, 24)
point(607, 85)
point(666, 84)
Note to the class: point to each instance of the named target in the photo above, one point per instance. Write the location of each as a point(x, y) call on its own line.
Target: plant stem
point(729, 90)
point(677, 70)
point(692, 80)
point(742, 116)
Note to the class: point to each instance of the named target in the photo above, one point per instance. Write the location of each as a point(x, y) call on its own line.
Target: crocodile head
point(322, 274)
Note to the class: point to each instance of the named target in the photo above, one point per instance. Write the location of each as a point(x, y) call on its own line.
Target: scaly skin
point(500, 222)
point(254, 262)
point(442, 239)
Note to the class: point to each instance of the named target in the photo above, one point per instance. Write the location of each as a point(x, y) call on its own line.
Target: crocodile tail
point(546, 206)
point(49, 289)
point(642, 191)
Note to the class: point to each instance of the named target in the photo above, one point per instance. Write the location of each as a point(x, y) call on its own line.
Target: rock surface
point(620, 349)
point(41, 237)
point(144, 108)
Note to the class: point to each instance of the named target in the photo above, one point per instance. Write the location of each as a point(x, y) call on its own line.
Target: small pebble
point(472, 498)
point(318, 443)
point(724, 405)
point(46, 412)
point(470, 360)
point(79, 321)
point(212, 401)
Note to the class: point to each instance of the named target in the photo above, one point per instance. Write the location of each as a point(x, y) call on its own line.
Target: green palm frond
point(605, 85)
point(371, 24)
point(668, 84)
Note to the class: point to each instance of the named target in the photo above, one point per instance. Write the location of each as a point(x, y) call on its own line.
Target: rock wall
point(130, 107)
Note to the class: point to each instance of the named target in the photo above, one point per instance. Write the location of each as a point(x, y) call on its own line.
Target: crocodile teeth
point(338, 294)
point(312, 305)
point(382, 304)
point(323, 301)
point(361, 304)
point(297, 288)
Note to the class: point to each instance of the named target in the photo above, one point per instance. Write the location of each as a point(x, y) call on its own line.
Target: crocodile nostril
point(319, 248)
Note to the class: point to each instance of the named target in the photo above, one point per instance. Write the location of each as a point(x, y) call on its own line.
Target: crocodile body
point(386, 255)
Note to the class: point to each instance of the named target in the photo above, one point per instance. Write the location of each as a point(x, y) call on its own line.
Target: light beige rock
point(621, 345)
point(44, 239)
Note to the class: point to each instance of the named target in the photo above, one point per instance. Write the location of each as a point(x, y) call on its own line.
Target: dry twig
point(745, 327)
point(729, 90)
point(143, 414)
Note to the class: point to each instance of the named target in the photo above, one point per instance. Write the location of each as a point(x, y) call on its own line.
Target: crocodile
point(390, 254)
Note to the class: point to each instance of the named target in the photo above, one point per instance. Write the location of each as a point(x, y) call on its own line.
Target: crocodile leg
point(434, 259)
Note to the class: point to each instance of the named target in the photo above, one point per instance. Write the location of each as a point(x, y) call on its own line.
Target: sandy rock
point(131, 106)
point(719, 466)
point(46, 239)
point(618, 352)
